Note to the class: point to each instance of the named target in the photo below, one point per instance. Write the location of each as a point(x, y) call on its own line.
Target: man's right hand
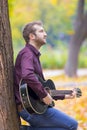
point(48, 99)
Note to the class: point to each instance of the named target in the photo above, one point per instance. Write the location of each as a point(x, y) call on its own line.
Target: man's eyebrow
point(42, 29)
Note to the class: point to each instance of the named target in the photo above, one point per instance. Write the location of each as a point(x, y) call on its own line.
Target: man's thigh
point(52, 118)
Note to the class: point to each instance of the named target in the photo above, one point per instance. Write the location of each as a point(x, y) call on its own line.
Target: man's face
point(40, 35)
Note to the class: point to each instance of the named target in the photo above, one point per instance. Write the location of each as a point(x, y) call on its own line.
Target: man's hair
point(29, 28)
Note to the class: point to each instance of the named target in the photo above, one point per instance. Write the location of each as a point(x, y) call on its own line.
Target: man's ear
point(32, 36)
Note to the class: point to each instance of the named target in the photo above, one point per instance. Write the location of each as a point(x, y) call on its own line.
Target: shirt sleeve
point(28, 74)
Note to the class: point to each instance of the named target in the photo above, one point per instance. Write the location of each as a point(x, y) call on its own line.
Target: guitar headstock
point(78, 92)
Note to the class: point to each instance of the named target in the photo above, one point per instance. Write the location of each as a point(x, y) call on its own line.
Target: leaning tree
point(8, 116)
point(77, 39)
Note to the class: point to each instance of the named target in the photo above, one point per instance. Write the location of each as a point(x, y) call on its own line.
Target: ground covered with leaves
point(77, 107)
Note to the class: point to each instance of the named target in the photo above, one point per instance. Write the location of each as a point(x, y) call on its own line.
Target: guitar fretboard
point(60, 92)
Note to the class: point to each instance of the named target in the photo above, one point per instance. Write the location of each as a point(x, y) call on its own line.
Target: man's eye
point(41, 31)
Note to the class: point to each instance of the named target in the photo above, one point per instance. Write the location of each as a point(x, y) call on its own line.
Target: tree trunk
point(8, 116)
point(72, 62)
point(77, 39)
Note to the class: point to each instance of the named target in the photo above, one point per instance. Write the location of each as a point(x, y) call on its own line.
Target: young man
point(26, 67)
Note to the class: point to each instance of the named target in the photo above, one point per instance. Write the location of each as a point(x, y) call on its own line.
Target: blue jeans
point(51, 119)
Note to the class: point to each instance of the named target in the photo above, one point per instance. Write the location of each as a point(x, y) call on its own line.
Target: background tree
point(8, 118)
point(79, 36)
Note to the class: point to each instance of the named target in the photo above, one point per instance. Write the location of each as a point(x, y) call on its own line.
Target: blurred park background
point(58, 17)
point(65, 22)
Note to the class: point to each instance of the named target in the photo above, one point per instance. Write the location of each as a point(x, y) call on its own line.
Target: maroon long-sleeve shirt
point(26, 67)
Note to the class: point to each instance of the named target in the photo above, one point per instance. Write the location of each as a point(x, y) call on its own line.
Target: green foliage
point(83, 56)
point(53, 58)
point(83, 60)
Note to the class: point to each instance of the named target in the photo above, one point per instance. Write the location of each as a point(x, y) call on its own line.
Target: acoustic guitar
point(33, 104)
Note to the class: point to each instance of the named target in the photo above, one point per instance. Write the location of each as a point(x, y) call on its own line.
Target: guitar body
point(30, 100)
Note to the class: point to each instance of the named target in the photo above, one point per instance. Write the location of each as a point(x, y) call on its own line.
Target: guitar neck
point(60, 92)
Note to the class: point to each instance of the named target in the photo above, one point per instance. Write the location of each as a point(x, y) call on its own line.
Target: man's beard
point(40, 41)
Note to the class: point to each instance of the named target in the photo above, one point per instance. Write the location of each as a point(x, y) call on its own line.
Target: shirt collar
point(33, 49)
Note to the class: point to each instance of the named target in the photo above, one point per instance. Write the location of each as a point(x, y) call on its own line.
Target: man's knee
point(75, 125)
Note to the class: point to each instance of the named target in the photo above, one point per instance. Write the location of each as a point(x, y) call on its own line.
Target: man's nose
point(45, 34)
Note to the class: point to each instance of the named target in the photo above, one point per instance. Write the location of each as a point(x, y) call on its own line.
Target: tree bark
point(8, 115)
point(77, 40)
